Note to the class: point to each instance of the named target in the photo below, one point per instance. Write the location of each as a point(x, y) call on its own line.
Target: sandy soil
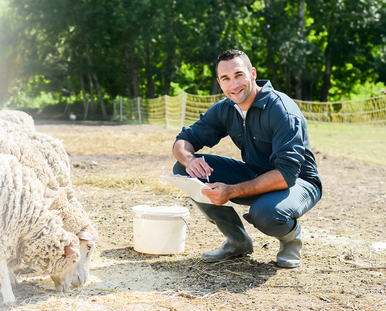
point(341, 269)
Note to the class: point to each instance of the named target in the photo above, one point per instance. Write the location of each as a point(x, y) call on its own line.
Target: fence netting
point(185, 109)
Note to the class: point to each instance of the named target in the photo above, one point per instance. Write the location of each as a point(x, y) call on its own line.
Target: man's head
point(236, 77)
point(231, 54)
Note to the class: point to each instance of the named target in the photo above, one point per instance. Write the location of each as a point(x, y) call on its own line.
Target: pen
point(207, 177)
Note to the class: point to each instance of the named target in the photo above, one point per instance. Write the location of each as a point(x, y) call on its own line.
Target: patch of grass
point(360, 142)
point(119, 143)
point(125, 181)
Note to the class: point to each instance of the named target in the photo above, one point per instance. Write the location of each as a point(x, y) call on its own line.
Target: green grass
point(361, 142)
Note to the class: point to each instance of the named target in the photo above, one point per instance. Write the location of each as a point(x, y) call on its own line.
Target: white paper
point(190, 186)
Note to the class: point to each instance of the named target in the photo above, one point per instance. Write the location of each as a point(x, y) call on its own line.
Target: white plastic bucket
point(159, 230)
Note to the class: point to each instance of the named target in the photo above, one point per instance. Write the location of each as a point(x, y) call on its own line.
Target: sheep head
point(62, 279)
point(82, 267)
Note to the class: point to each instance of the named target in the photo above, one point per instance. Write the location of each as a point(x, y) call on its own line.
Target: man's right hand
point(197, 167)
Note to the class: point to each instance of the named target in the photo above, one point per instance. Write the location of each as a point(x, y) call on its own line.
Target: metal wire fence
point(185, 109)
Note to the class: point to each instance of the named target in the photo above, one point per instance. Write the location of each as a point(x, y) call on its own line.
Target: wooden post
point(139, 109)
point(166, 111)
point(120, 107)
point(115, 109)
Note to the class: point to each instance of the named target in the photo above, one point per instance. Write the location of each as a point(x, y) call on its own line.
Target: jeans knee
point(270, 223)
point(178, 168)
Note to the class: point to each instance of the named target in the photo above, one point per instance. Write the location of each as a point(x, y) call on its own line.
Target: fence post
point(68, 104)
point(120, 107)
point(166, 111)
point(183, 108)
point(139, 109)
point(115, 109)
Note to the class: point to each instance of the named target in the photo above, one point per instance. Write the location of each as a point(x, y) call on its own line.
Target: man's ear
point(254, 73)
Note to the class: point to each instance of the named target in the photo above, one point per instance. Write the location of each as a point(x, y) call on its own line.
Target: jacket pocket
point(237, 137)
point(262, 143)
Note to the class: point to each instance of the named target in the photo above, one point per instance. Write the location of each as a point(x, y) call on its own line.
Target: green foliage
point(149, 48)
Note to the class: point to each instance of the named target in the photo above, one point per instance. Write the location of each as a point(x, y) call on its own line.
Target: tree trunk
point(299, 74)
point(85, 101)
point(298, 85)
point(134, 74)
point(167, 87)
point(271, 61)
point(168, 73)
point(327, 77)
point(100, 95)
point(91, 93)
point(287, 81)
point(149, 74)
point(128, 74)
point(215, 86)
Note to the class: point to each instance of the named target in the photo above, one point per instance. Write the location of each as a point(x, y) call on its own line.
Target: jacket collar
point(261, 98)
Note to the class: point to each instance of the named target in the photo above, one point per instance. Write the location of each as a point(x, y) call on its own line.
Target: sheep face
point(63, 278)
point(82, 267)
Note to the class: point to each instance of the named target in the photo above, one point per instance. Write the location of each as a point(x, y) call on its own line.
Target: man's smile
point(237, 93)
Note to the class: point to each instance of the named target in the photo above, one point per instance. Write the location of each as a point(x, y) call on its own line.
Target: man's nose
point(235, 82)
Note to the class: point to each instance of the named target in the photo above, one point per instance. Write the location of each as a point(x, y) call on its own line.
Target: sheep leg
point(6, 288)
point(13, 279)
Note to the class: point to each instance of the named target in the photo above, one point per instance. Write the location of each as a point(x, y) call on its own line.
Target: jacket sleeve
point(207, 131)
point(288, 146)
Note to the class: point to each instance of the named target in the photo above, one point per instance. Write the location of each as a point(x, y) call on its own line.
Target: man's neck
point(250, 99)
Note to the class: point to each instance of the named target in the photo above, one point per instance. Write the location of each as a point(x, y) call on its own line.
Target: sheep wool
point(18, 144)
point(75, 219)
point(28, 230)
point(50, 148)
point(18, 117)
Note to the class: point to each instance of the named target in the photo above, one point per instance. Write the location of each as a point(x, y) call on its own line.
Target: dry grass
point(125, 181)
point(336, 233)
point(121, 143)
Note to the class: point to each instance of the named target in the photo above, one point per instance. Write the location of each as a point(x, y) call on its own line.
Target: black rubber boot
point(238, 243)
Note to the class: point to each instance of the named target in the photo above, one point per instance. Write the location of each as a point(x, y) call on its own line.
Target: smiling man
point(278, 177)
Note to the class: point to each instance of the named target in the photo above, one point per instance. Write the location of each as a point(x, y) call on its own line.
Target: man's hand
point(197, 167)
point(219, 194)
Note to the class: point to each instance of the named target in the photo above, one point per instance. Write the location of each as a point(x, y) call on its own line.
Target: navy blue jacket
point(272, 136)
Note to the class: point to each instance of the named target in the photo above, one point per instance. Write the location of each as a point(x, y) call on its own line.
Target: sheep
point(51, 148)
point(18, 117)
point(29, 231)
point(27, 145)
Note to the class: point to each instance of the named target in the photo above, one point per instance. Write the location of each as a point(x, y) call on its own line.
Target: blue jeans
point(273, 213)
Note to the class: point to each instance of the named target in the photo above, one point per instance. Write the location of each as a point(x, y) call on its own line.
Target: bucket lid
point(160, 210)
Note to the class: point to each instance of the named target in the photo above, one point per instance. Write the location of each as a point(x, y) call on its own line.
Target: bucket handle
point(156, 217)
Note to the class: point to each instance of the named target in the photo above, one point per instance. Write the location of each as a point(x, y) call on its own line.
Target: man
point(278, 177)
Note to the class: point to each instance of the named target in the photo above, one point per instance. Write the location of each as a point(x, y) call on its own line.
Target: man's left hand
point(219, 194)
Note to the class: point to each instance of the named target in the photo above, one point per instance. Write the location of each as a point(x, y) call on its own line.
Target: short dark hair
point(231, 54)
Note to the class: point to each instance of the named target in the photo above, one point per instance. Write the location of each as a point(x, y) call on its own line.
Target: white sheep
point(50, 148)
point(48, 158)
point(18, 117)
point(29, 231)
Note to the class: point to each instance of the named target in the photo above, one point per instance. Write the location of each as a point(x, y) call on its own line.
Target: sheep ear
point(48, 193)
point(84, 235)
point(69, 251)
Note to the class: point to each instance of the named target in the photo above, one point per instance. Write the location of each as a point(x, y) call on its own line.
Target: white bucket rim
point(174, 212)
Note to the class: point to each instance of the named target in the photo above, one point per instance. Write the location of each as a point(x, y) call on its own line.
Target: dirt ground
point(341, 269)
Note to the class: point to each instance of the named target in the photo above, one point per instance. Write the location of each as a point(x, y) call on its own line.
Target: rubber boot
point(289, 255)
point(238, 243)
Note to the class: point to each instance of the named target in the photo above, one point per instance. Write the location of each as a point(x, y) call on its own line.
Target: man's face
point(235, 80)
